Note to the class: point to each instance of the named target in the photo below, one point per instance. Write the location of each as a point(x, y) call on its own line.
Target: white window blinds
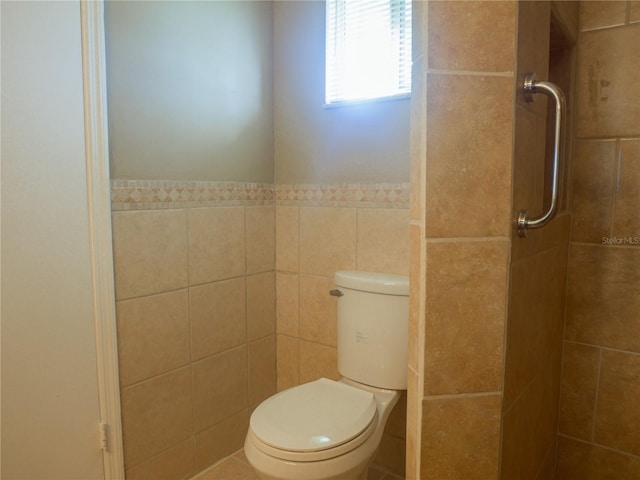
point(368, 49)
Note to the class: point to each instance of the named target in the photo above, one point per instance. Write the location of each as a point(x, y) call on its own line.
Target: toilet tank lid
point(385, 283)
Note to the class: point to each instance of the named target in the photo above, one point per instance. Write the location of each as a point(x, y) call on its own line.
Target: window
point(368, 49)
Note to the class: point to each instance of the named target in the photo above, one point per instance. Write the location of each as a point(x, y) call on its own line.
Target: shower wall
point(464, 77)
point(599, 410)
point(487, 307)
point(546, 35)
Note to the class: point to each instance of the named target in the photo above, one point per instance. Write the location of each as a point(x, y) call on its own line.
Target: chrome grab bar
point(531, 86)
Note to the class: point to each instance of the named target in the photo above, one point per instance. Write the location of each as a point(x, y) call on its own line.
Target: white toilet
point(327, 429)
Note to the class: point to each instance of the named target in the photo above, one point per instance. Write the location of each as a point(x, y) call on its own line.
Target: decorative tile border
point(378, 195)
point(163, 194)
point(158, 194)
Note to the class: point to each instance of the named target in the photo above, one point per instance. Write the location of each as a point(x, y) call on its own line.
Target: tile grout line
point(602, 347)
point(599, 445)
point(595, 403)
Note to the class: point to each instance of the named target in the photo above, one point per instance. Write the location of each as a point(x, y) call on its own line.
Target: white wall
point(50, 407)
point(190, 90)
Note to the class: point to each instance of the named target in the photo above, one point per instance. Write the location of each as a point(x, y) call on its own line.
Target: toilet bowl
point(331, 430)
point(319, 431)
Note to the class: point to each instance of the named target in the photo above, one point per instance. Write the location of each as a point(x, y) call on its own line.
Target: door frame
point(101, 245)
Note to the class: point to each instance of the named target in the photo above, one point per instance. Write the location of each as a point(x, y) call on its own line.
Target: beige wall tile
point(592, 190)
point(317, 361)
point(606, 84)
point(626, 221)
point(260, 239)
point(555, 234)
point(219, 387)
point(230, 469)
point(540, 407)
point(150, 252)
point(514, 449)
point(634, 11)
point(416, 300)
point(221, 440)
point(458, 37)
point(218, 317)
point(417, 134)
point(288, 361)
point(609, 13)
point(466, 288)
point(536, 317)
point(397, 422)
point(287, 238)
point(529, 423)
point(261, 305)
point(383, 240)
point(603, 304)
point(584, 461)
point(262, 369)
point(568, 14)
point(533, 50)
point(377, 473)
point(617, 414)
point(287, 303)
point(174, 463)
point(327, 240)
point(156, 414)
point(460, 438)
point(318, 310)
point(391, 454)
point(414, 423)
point(477, 186)
point(216, 243)
point(153, 335)
point(580, 366)
point(548, 469)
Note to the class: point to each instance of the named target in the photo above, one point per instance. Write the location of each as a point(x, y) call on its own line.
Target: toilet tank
point(373, 324)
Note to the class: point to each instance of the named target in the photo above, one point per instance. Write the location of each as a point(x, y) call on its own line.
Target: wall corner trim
point(99, 199)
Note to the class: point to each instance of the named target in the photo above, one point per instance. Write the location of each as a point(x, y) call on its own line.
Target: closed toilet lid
point(315, 416)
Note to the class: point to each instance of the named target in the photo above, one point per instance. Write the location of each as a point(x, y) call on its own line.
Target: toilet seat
point(314, 421)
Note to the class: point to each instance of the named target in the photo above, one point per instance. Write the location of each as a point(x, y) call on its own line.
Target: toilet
point(326, 429)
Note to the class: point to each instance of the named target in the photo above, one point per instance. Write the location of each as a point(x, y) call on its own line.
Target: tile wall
point(485, 363)
point(599, 413)
point(196, 284)
point(460, 235)
point(320, 230)
point(195, 291)
point(546, 39)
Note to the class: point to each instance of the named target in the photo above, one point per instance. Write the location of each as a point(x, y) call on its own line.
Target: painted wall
point(367, 143)
point(188, 84)
point(599, 412)
point(50, 410)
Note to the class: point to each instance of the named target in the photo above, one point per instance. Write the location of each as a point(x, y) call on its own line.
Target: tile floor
point(236, 467)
